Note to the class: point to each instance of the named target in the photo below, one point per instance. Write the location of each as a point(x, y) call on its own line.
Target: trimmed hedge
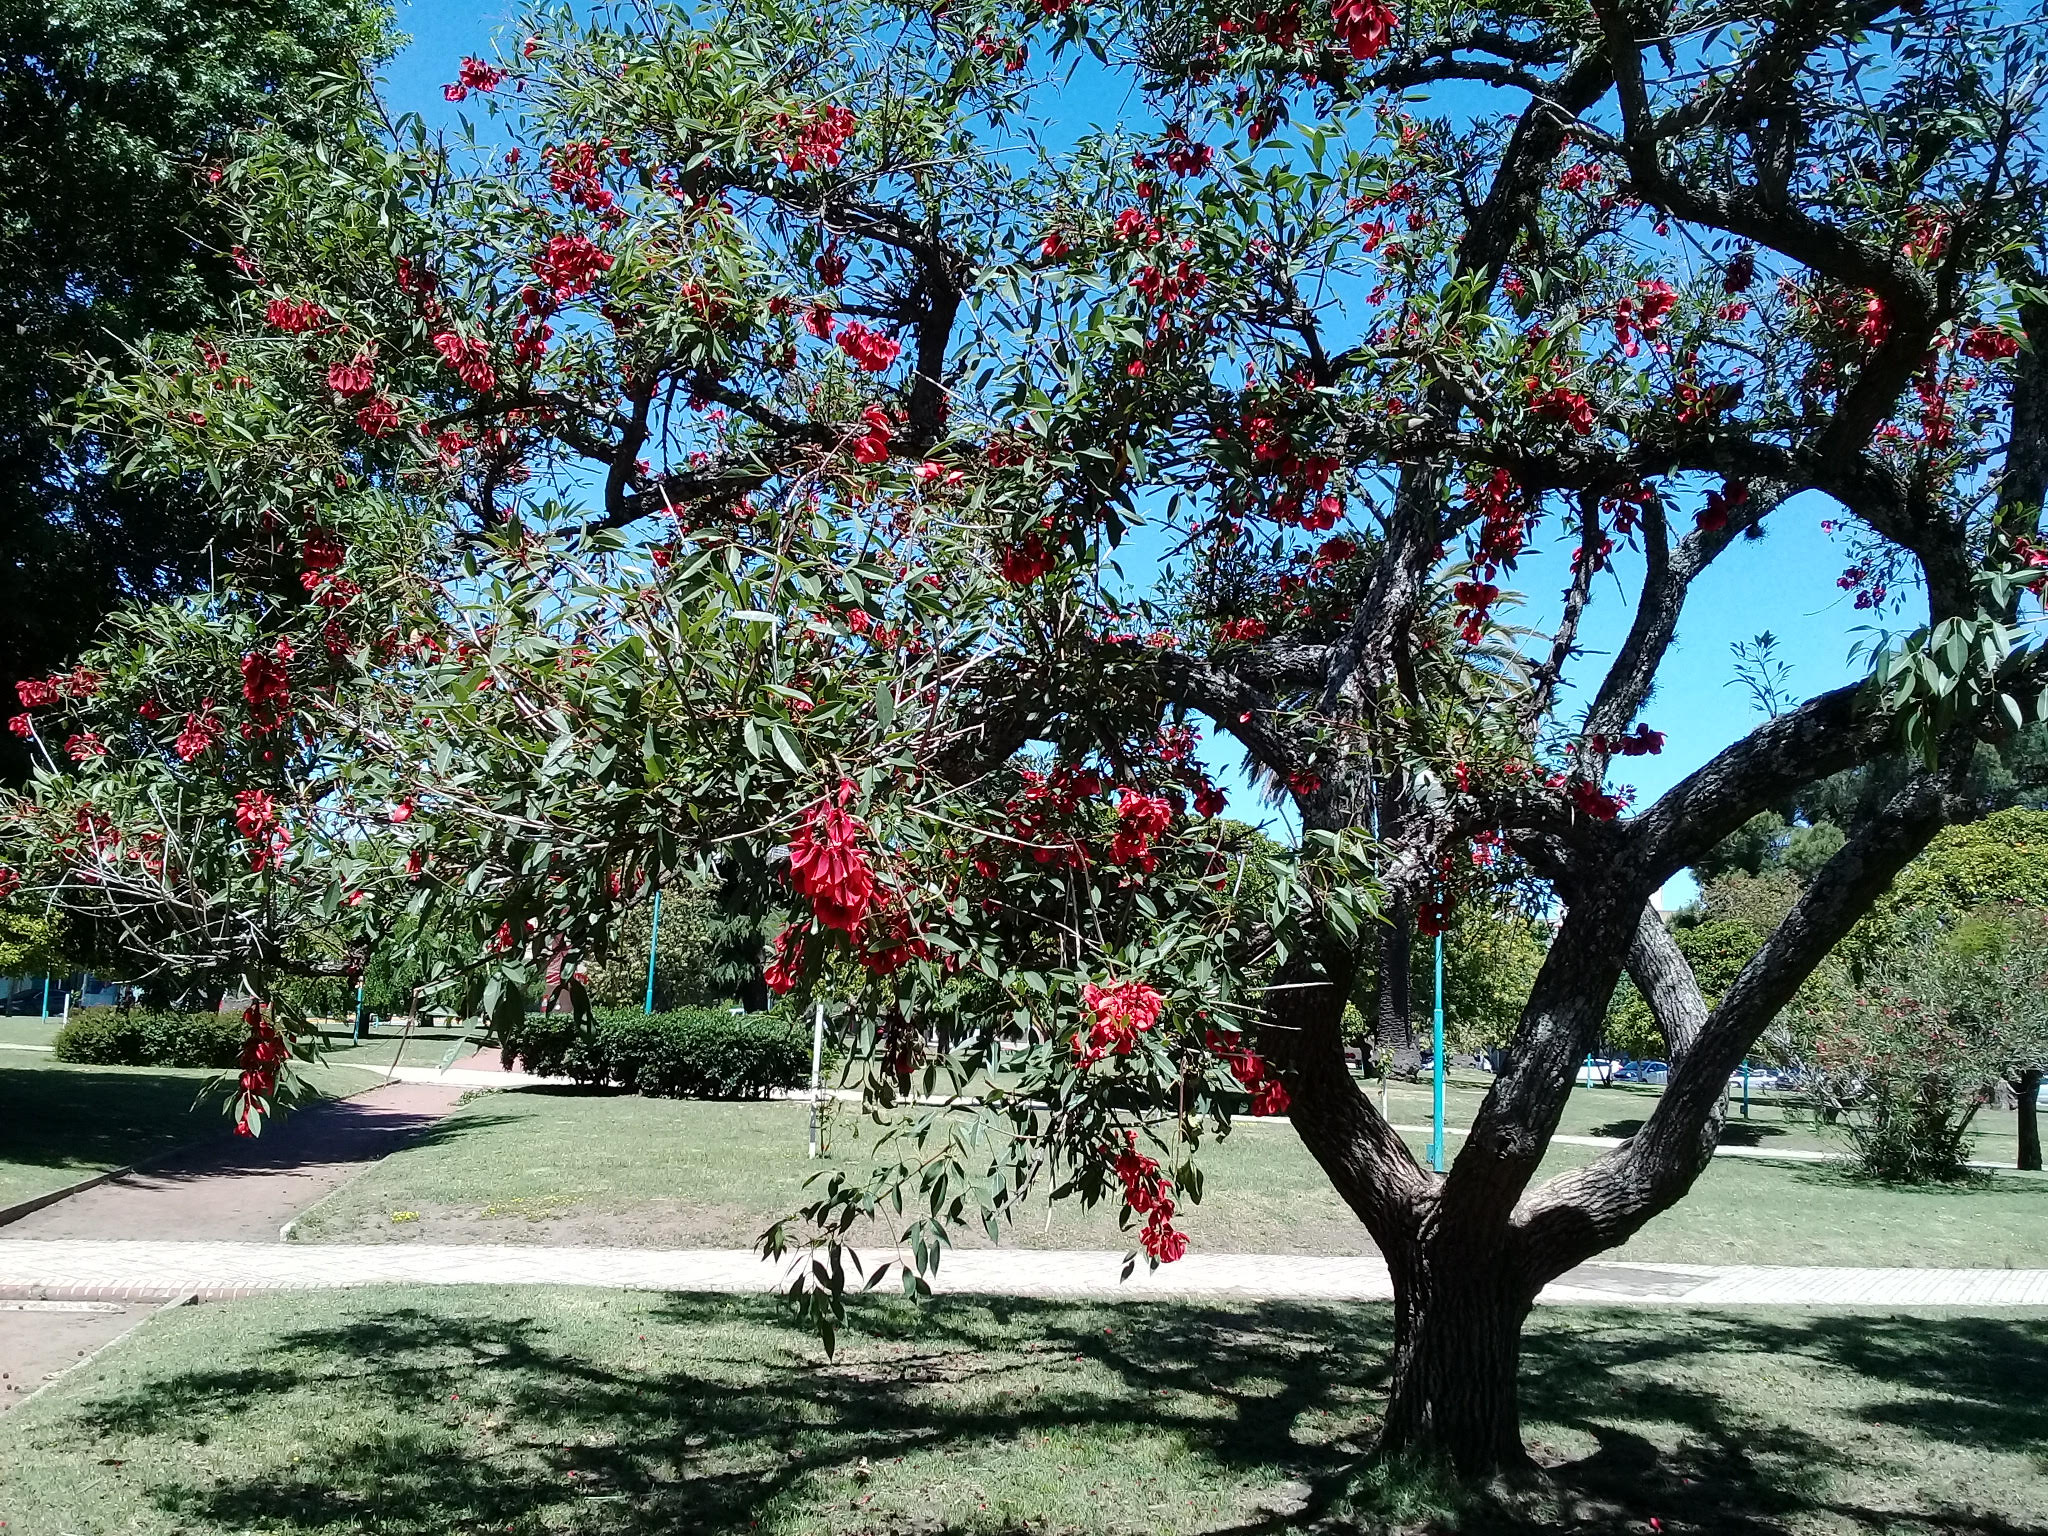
point(691, 1053)
point(110, 1037)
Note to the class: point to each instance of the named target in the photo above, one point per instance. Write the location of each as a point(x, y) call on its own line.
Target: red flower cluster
point(1136, 224)
point(257, 819)
point(1053, 246)
point(352, 378)
point(263, 1053)
point(1645, 313)
point(1025, 561)
point(1713, 517)
point(820, 140)
point(571, 265)
point(1139, 819)
point(379, 418)
point(872, 446)
point(474, 75)
point(1185, 157)
point(1363, 26)
point(1559, 404)
point(10, 882)
point(575, 171)
point(828, 865)
point(1989, 344)
point(1241, 629)
point(1145, 1192)
point(470, 358)
point(1477, 599)
point(85, 745)
point(1592, 801)
point(1122, 1012)
point(201, 730)
point(869, 349)
point(784, 970)
point(1269, 1094)
point(266, 686)
point(1639, 743)
point(293, 319)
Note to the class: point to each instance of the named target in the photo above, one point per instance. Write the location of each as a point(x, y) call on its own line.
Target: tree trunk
point(1393, 1024)
point(1457, 1348)
point(2030, 1120)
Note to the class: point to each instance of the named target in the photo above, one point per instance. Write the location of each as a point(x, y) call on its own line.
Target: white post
point(67, 1002)
point(817, 1070)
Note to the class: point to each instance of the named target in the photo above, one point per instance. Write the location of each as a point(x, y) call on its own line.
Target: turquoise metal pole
point(46, 994)
point(359, 1012)
point(652, 939)
point(1436, 1144)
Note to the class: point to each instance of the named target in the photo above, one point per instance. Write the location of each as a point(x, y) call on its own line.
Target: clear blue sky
point(1784, 582)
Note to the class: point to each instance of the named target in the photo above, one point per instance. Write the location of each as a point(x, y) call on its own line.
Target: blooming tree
point(744, 460)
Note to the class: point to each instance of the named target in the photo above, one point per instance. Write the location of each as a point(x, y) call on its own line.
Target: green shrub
point(690, 1053)
point(114, 1037)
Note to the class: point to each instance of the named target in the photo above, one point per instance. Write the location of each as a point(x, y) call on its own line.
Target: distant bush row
point(691, 1053)
point(114, 1037)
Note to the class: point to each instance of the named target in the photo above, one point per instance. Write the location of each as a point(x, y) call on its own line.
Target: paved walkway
point(73, 1268)
point(237, 1187)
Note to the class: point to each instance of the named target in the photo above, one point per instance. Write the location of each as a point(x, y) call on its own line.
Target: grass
point(548, 1166)
point(62, 1123)
point(618, 1414)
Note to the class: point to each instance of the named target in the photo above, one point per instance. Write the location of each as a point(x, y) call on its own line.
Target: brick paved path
point(114, 1270)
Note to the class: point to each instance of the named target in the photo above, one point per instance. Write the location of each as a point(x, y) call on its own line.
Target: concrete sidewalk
point(80, 1269)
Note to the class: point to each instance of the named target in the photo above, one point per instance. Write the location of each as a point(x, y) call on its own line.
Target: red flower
point(786, 968)
point(1362, 25)
point(85, 745)
point(200, 731)
point(1122, 1011)
point(571, 265)
point(871, 351)
point(1026, 560)
point(263, 1053)
point(355, 377)
point(872, 446)
point(468, 357)
point(828, 864)
point(1241, 629)
point(10, 882)
point(820, 141)
point(257, 819)
point(1561, 405)
point(1591, 801)
point(474, 75)
point(1209, 801)
point(293, 319)
point(1989, 344)
point(379, 418)
point(22, 726)
point(1053, 246)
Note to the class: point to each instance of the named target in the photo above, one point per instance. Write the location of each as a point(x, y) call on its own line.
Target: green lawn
point(629, 1414)
point(60, 1123)
point(560, 1167)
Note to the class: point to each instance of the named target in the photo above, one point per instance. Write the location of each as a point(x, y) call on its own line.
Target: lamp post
point(1436, 1139)
point(653, 938)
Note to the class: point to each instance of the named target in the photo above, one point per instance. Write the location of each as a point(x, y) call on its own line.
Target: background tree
point(111, 114)
point(874, 409)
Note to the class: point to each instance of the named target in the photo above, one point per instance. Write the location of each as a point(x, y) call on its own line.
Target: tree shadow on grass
point(466, 1419)
point(1753, 1458)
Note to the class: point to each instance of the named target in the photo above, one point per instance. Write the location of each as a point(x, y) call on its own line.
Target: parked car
point(1651, 1074)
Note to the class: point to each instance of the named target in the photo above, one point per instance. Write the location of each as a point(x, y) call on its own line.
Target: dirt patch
point(39, 1340)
